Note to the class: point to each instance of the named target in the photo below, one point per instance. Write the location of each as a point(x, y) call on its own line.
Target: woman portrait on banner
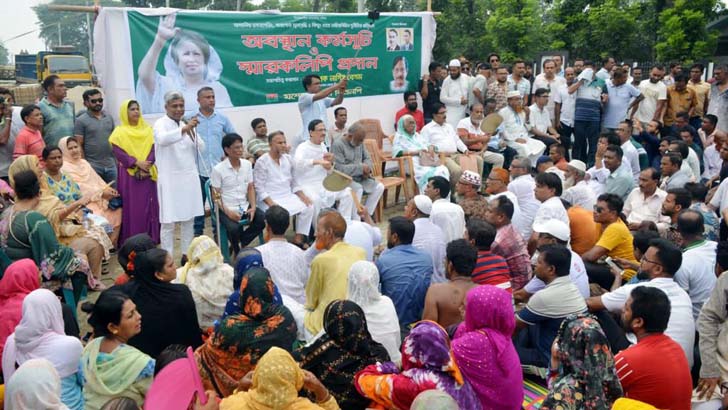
point(425, 161)
point(190, 64)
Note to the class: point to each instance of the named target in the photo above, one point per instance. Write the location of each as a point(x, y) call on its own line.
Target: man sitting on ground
point(508, 242)
point(697, 271)
point(644, 203)
point(428, 236)
point(448, 216)
point(444, 300)
point(473, 204)
point(490, 269)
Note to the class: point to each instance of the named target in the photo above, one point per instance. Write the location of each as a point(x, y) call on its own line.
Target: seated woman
point(66, 220)
point(241, 339)
point(379, 310)
point(127, 255)
point(20, 278)
point(90, 184)
point(110, 366)
point(247, 258)
point(407, 141)
point(275, 384)
point(345, 348)
point(168, 309)
point(40, 335)
point(208, 278)
point(427, 363)
point(483, 348)
point(25, 233)
point(36, 385)
point(582, 366)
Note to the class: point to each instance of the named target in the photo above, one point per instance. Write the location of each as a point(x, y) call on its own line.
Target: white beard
point(569, 183)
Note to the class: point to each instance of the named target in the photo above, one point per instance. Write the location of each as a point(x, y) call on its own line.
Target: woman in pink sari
point(484, 351)
point(20, 278)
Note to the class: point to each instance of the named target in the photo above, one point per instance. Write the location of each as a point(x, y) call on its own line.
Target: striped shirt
point(492, 269)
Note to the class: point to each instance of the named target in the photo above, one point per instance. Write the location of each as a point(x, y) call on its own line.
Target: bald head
point(334, 222)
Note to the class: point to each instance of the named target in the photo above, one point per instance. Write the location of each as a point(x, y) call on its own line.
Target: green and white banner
point(258, 59)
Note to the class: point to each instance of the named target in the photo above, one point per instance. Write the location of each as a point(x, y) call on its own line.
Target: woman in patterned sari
point(407, 141)
point(586, 378)
point(242, 339)
point(345, 348)
point(25, 233)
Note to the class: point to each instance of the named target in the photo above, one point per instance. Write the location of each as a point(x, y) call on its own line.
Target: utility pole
point(360, 6)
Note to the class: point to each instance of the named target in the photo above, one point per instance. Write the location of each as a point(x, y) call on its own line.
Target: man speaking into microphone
point(176, 149)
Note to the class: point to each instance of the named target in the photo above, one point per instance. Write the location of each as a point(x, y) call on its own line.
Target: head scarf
point(428, 362)
point(168, 310)
point(484, 351)
point(434, 400)
point(131, 248)
point(380, 313)
point(276, 381)
point(81, 172)
point(400, 126)
point(35, 385)
point(20, 278)
point(208, 277)
point(241, 339)
point(247, 258)
point(40, 334)
point(587, 374)
point(136, 140)
point(345, 348)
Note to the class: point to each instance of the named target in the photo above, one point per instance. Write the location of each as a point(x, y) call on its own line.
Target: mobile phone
point(612, 264)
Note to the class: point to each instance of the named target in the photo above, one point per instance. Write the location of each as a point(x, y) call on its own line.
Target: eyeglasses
point(644, 259)
point(96, 100)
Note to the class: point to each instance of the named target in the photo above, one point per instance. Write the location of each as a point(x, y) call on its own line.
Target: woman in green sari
point(25, 233)
point(111, 367)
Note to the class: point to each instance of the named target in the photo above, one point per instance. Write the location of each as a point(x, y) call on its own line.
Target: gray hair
point(525, 162)
point(173, 95)
point(355, 128)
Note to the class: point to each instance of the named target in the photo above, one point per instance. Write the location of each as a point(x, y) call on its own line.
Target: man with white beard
point(577, 191)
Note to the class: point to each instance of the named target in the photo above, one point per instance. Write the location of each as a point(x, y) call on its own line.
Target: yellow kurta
point(329, 281)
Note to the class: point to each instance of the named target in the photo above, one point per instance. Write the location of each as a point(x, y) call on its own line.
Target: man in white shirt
point(232, 182)
point(275, 185)
point(454, 93)
point(644, 203)
point(428, 236)
point(548, 192)
point(564, 106)
point(540, 123)
point(284, 261)
point(523, 186)
point(448, 216)
point(177, 150)
point(469, 131)
point(660, 263)
point(578, 191)
point(697, 271)
point(629, 152)
point(446, 141)
point(480, 85)
point(313, 163)
point(655, 93)
point(550, 81)
point(313, 103)
point(497, 185)
point(711, 157)
point(514, 129)
point(604, 73)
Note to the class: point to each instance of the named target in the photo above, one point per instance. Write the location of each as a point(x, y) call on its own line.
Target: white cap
point(423, 203)
point(578, 165)
point(454, 63)
point(553, 227)
point(513, 94)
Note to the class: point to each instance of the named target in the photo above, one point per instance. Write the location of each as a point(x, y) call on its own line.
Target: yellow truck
point(72, 66)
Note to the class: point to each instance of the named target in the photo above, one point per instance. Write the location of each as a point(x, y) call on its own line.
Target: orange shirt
point(584, 232)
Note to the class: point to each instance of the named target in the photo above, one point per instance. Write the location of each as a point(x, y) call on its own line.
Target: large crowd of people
point(568, 230)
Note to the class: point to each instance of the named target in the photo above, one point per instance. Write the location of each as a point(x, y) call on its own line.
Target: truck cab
point(72, 67)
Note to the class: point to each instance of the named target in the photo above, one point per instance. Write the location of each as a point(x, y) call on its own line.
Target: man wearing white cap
point(474, 205)
point(454, 93)
point(550, 232)
point(514, 131)
point(428, 236)
point(578, 193)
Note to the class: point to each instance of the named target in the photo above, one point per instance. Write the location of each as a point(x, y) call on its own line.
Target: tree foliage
point(682, 32)
point(515, 28)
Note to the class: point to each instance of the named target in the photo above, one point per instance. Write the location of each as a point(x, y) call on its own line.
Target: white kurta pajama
point(178, 184)
point(275, 180)
point(513, 128)
point(311, 178)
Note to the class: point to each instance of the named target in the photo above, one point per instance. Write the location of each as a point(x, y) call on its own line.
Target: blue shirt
point(588, 104)
point(311, 110)
point(405, 273)
point(616, 108)
point(211, 129)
